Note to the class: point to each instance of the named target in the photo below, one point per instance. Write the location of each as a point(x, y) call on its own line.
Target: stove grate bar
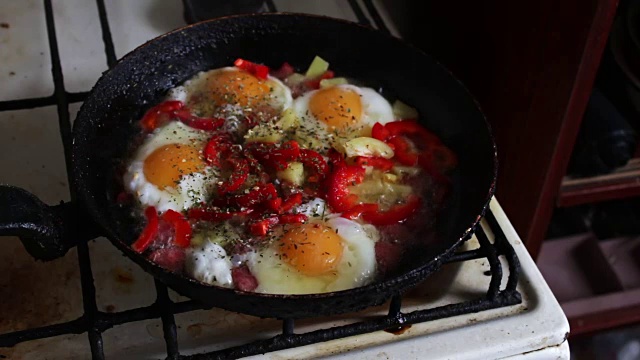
point(62, 103)
point(77, 326)
point(375, 15)
point(94, 322)
point(505, 248)
point(271, 6)
point(168, 321)
point(32, 103)
point(494, 263)
point(357, 10)
point(109, 48)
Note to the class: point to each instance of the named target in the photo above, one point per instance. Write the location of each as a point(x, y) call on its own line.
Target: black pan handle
point(47, 232)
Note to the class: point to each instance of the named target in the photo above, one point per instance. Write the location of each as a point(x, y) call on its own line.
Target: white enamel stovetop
point(35, 294)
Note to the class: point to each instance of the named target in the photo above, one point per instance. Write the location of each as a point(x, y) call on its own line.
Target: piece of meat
point(244, 279)
point(171, 258)
point(387, 256)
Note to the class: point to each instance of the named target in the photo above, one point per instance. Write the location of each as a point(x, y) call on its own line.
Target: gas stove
point(488, 301)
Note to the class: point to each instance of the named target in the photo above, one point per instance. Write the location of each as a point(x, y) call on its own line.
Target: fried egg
point(341, 111)
point(316, 257)
point(227, 88)
point(168, 170)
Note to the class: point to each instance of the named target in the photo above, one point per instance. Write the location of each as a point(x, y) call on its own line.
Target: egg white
point(209, 263)
point(192, 188)
point(356, 268)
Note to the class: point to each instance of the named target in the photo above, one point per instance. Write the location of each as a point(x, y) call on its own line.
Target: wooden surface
point(604, 320)
point(531, 65)
point(623, 183)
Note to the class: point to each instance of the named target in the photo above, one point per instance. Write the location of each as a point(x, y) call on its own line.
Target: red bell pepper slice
point(403, 151)
point(395, 214)
point(181, 227)
point(380, 132)
point(292, 218)
point(274, 204)
point(262, 227)
point(290, 202)
point(274, 155)
point(150, 120)
point(195, 122)
point(283, 72)
point(315, 82)
point(239, 175)
point(316, 163)
point(285, 153)
point(255, 167)
point(257, 195)
point(216, 146)
point(215, 215)
point(259, 71)
point(338, 196)
point(377, 162)
point(149, 232)
point(411, 127)
point(219, 147)
point(359, 209)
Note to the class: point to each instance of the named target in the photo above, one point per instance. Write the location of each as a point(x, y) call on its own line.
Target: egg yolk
point(238, 87)
point(312, 249)
point(338, 107)
point(168, 163)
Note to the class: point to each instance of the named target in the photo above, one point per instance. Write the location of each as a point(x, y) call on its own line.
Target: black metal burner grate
point(95, 322)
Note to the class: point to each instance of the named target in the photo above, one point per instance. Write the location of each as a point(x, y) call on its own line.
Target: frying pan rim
point(83, 192)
